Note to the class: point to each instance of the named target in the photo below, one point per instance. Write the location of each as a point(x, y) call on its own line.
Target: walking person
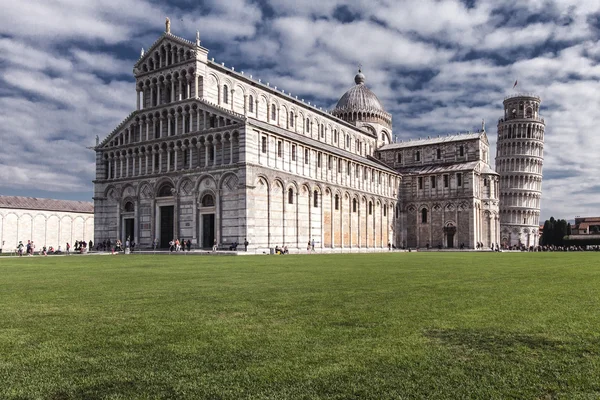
point(68, 249)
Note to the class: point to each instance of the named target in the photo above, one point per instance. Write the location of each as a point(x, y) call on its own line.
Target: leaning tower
point(519, 159)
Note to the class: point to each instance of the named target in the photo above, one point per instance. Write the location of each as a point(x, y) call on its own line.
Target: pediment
point(197, 104)
point(167, 40)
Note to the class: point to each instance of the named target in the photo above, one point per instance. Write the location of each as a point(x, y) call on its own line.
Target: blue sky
point(439, 67)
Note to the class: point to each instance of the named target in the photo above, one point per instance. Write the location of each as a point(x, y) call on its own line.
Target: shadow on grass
point(497, 342)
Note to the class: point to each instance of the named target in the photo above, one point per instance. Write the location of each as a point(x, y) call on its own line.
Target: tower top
point(524, 95)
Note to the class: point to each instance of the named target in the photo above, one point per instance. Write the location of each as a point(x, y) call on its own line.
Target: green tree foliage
point(554, 232)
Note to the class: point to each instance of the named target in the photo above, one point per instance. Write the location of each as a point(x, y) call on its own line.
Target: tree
point(569, 229)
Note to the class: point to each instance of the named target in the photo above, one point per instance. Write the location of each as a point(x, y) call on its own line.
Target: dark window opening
point(424, 216)
point(208, 200)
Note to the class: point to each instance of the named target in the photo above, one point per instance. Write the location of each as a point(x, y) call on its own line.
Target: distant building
point(586, 226)
point(46, 222)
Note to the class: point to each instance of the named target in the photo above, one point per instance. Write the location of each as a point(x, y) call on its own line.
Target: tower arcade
point(519, 159)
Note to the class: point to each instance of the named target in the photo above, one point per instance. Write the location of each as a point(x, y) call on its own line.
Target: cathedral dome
point(360, 103)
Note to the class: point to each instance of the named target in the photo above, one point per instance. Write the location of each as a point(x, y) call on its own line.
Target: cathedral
point(214, 156)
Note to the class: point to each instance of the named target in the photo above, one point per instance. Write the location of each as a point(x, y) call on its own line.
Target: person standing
point(246, 243)
point(189, 245)
point(215, 245)
point(68, 249)
point(313, 245)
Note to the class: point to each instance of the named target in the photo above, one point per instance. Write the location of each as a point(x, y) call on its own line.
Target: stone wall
point(45, 228)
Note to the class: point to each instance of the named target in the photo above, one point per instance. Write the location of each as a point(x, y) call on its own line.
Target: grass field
point(378, 326)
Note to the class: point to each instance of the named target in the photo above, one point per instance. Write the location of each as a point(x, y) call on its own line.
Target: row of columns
point(145, 129)
point(119, 167)
point(186, 87)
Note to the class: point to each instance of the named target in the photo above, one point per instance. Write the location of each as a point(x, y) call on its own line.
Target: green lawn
point(386, 326)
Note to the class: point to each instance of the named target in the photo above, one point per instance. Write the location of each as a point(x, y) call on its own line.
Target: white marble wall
point(45, 228)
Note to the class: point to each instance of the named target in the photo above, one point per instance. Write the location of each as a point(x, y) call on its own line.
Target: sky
point(438, 66)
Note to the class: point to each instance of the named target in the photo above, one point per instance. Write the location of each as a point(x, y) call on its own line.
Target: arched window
point(424, 216)
point(292, 119)
point(438, 154)
point(315, 199)
point(399, 158)
point(290, 196)
point(337, 202)
point(354, 205)
point(129, 207)
point(273, 112)
point(208, 200)
point(251, 104)
point(461, 151)
point(225, 94)
point(385, 211)
point(307, 126)
point(418, 156)
point(165, 190)
point(370, 208)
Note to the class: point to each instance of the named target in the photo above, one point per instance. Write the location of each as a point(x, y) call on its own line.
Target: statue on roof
point(483, 125)
point(197, 38)
point(168, 25)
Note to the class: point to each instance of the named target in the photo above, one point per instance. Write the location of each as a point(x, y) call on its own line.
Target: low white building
point(46, 222)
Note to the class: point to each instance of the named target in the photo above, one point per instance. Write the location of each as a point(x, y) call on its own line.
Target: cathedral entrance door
point(166, 225)
point(450, 230)
point(450, 240)
point(208, 230)
point(129, 229)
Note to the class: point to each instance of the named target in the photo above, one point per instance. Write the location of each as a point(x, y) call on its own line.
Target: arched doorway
point(128, 223)
point(449, 233)
point(166, 217)
point(207, 220)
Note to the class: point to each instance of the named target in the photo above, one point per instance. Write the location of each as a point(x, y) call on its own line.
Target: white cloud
point(65, 80)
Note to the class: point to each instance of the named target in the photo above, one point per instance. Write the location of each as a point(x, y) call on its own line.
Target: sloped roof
point(442, 139)
point(34, 203)
point(443, 168)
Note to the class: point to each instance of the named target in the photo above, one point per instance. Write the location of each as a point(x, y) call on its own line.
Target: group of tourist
point(29, 248)
point(177, 245)
point(281, 250)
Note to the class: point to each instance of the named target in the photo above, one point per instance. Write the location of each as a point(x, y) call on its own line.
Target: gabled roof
point(34, 203)
point(438, 140)
point(444, 168)
point(207, 104)
point(163, 38)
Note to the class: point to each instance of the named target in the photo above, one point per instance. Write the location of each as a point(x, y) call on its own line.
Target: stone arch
point(161, 185)
point(205, 181)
